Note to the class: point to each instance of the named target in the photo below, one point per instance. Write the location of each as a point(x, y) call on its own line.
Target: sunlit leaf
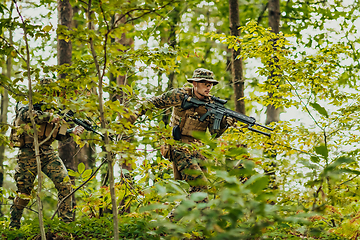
point(47, 28)
point(81, 168)
point(86, 174)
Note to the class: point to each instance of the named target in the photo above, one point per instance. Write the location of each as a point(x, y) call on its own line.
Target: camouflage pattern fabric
point(16, 211)
point(39, 116)
point(188, 164)
point(191, 168)
point(202, 74)
point(174, 98)
point(51, 166)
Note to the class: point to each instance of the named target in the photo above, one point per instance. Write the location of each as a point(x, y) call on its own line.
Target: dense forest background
point(291, 64)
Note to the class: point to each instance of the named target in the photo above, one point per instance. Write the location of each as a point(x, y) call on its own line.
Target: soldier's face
point(202, 89)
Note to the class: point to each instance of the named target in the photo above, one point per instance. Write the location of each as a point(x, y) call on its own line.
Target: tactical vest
point(188, 120)
point(20, 135)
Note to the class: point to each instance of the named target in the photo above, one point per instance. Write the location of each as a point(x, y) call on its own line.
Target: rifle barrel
point(266, 127)
point(258, 131)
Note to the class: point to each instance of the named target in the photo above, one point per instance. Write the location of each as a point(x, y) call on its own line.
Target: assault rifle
point(218, 111)
point(69, 117)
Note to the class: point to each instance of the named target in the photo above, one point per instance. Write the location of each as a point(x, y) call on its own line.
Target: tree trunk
point(3, 117)
point(4, 110)
point(64, 55)
point(236, 64)
point(64, 48)
point(173, 21)
point(272, 113)
point(66, 149)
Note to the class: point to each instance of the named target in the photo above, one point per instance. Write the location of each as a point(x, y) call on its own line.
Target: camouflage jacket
point(21, 134)
point(187, 120)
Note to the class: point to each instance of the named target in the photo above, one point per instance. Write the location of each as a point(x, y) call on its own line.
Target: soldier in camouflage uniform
point(51, 164)
point(189, 165)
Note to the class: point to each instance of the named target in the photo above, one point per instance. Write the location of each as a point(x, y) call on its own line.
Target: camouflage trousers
point(26, 172)
point(191, 168)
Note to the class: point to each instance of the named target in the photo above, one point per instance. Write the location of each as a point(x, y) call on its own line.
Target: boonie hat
point(45, 81)
point(202, 74)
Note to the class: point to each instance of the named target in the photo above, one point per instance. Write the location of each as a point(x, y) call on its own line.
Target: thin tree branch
point(83, 184)
point(149, 11)
point(261, 15)
point(36, 139)
point(12, 46)
point(349, 180)
point(103, 120)
point(304, 105)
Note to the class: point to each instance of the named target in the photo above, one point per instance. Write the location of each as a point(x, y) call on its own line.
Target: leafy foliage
point(313, 192)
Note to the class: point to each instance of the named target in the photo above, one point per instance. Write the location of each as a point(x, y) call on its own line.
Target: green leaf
point(198, 196)
point(225, 175)
point(205, 138)
point(47, 28)
point(333, 171)
point(312, 183)
point(81, 168)
point(351, 171)
point(339, 161)
point(73, 173)
point(320, 109)
point(66, 179)
point(257, 183)
point(236, 151)
point(308, 164)
point(152, 207)
point(322, 150)
point(315, 159)
point(186, 204)
point(86, 174)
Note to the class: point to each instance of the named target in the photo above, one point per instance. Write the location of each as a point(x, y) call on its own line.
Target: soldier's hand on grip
point(78, 130)
point(230, 121)
point(55, 118)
